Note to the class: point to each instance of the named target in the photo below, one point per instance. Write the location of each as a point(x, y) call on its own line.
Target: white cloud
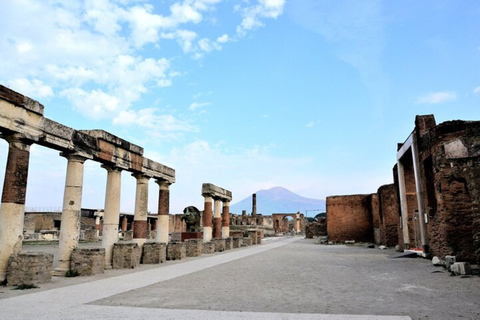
point(437, 97)
point(33, 89)
point(310, 124)
point(223, 39)
point(252, 15)
point(476, 90)
point(197, 105)
point(94, 104)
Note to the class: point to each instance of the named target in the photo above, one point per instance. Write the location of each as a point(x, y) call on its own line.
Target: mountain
point(279, 200)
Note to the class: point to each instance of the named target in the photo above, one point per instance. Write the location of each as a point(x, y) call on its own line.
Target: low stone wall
point(253, 234)
point(208, 247)
point(29, 268)
point(87, 262)
point(194, 247)
point(228, 243)
point(219, 245)
point(247, 241)
point(237, 242)
point(176, 251)
point(154, 253)
point(126, 255)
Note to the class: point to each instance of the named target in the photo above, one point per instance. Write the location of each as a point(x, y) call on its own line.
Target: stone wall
point(349, 218)
point(389, 214)
point(154, 253)
point(194, 247)
point(176, 251)
point(87, 262)
point(126, 255)
point(219, 245)
point(29, 268)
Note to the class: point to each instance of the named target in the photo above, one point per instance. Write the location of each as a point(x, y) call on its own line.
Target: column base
point(60, 272)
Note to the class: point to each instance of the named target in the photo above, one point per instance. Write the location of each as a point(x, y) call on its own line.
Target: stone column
point(97, 226)
point(207, 219)
point(71, 212)
point(217, 220)
point(226, 219)
point(12, 210)
point(163, 210)
point(140, 225)
point(112, 212)
point(403, 204)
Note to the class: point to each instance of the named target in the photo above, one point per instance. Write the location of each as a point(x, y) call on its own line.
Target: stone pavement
point(284, 278)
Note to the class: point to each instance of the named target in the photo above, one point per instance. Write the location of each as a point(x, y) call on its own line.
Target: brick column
point(217, 220)
point(111, 215)
point(140, 226)
point(226, 219)
point(163, 210)
point(71, 212)
point(207, 219)
point(12, 210)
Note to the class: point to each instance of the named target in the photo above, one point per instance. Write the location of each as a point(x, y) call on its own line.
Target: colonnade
point(22, 124)
point(219, 226)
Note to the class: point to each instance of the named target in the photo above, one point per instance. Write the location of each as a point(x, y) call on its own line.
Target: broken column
point(207, 219)
point(141, 210)
point(12, 210)
point(217, 220)
point(112, 212)
point(71, 212)
point(163, 208)
point(226, 219)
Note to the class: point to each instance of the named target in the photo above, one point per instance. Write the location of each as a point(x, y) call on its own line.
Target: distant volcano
point(279, 200)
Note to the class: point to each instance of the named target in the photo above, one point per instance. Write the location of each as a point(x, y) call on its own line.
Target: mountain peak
point(278, 200)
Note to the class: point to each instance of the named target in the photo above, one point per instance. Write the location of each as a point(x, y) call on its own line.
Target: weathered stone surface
point(29, 268)
point(228, 243)
point(461, 268)
point(154, 253)
point(247, 241)
point(316, 229)
point(209, 189)
point(389, 214)
point(87, 262)
point(208, 247)
point(194, 247)
point(125, 255)
point(237, 242)
point(219, 245)
point(349, 218)
point(176, 251)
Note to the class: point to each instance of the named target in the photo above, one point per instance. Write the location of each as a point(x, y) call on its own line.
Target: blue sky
point(310, 95)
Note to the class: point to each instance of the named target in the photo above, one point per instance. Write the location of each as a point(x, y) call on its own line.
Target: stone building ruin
point(432, 208)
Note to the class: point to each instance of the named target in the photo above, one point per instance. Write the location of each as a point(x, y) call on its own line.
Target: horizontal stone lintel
point(209, 189)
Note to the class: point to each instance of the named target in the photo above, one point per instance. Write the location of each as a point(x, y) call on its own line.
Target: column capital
point(141, 176)
point(111, 167)
point(75, 156)
point(164, 184)
point(20, 141)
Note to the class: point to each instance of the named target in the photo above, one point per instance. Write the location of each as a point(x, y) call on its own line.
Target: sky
point(310, 95)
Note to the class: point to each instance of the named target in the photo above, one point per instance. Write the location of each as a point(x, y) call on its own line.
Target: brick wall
point(349, 218)
point(389, 215)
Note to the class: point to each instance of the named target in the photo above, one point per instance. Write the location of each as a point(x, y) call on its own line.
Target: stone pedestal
point(228, 243)
point(194, 247)
point(29, 268)
point(191, 235)
point(176, 251)
point(253, 235)
point(208, 247)
point(87, 262)
point(154, 253)
point(237, 242)
point(247, 241)
point(125, 255)
point(219, 245)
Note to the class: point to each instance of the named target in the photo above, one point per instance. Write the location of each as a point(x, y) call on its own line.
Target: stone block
point(461, 268)
point(219, 245)
point(237, 242)
point(247, 241)
point(228, 243)
point(194, 247)
point(87, 262)
point(154, 253)
point(208, 247)
point(449, 261)
point(176, 251)
point(29, 268)
point(126, 255)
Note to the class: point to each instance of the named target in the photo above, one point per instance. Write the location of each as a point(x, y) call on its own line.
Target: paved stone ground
point(291, 278)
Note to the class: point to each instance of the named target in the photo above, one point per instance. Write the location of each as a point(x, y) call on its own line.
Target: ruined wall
point(372, 202)
point(389, 215)
point(399, 222)
point(349, 218)
point(450, 165)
